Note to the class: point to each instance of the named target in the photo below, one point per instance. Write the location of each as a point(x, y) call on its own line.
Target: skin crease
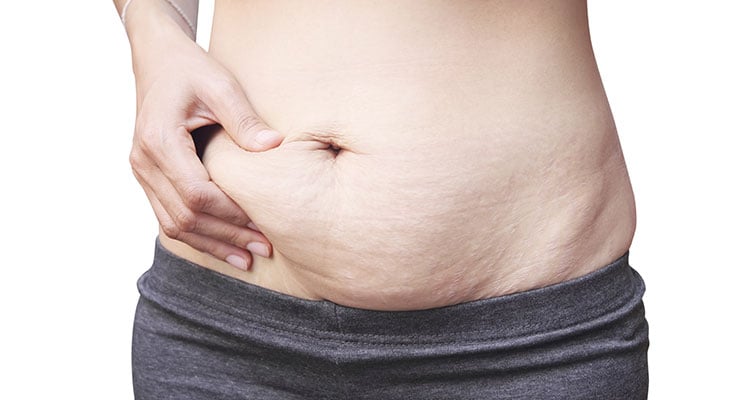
point(474, 155)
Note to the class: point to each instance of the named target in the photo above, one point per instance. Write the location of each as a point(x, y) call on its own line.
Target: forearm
point(183, 13)
point(158, 34)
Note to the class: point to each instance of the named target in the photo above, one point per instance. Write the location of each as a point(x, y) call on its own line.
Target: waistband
point(198, 293)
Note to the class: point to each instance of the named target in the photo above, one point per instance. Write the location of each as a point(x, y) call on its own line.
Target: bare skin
point(435, 152)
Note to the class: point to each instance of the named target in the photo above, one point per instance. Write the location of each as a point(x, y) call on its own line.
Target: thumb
point(233, 111)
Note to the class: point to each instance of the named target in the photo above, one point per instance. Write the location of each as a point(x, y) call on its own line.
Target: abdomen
point(436, 152)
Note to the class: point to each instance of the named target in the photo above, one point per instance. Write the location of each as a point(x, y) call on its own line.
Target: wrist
point(155, 34)
point(145, 20)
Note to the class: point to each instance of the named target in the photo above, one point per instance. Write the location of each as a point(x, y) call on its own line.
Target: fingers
point(177, 160)
point(211, 236)
point(191, 220)
point(232, 109)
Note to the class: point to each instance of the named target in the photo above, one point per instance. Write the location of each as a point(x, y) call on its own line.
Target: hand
point(180, 88)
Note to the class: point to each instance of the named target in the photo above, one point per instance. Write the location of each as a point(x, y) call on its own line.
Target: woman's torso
point(436, 152)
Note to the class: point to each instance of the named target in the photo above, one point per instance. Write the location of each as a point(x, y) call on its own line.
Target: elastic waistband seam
point(348, 337)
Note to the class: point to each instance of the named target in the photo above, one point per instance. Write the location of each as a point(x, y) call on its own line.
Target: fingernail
point(252, 226)
point(259, 249)
point(268, 137)
point(237, 262)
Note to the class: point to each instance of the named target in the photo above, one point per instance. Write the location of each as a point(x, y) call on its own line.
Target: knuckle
point(196, 197)
point(136, 161)
point(247, 122)
point(239, 218)
point(146, 139)
point(170, 229)
point(185, 220)
point(235, 237)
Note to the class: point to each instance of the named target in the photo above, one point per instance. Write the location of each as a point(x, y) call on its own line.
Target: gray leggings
point(202, 335)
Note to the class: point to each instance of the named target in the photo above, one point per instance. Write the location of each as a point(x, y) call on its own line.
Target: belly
point(435, 152)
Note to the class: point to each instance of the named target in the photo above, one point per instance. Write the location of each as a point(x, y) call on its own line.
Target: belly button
point(330, 145)
point(329, 142)
point(334, 148)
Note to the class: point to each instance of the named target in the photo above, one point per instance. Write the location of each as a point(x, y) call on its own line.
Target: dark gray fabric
point(202, 335)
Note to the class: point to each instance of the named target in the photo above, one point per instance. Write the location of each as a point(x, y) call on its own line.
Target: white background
point(76, 231)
